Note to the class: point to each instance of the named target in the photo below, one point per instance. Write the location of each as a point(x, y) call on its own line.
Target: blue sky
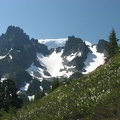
point(89, 20)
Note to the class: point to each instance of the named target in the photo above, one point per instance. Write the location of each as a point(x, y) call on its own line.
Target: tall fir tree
point(112, 46)
point(55, 83)
point(8, 95)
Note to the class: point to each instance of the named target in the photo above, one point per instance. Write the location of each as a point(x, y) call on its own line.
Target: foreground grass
point(95, 96)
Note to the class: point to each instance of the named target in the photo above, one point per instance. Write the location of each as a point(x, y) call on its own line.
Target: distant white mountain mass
point(53, 43)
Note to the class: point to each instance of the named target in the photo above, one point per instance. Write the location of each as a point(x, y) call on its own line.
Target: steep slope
point(95, 96)
point(94, 59)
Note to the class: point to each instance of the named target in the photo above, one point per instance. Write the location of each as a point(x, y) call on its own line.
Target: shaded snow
point(10, 56)
point(33, 69)
point(18, 50)
point(1, 57)
point(41, 88)
point(25, 88)
point(93, 60)
point(53, 43)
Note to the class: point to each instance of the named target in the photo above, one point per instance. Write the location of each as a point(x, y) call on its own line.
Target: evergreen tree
point(39, 95)
point(55, 83)
point(8, 95)
point(112, 46)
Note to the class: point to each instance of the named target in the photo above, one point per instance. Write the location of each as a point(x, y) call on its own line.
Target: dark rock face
point(16, 43)
point(72, 46)
point(101, 46)
point(40, 48)
point(24, 97)
point(76, 45)
point(18, 53)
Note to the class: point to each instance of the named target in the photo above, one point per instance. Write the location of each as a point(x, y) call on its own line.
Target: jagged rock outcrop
point(78, 47)
point(74, 45)
point(101, 46)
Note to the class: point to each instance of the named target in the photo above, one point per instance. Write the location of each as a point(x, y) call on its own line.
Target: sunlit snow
point(88, 43)
point(54, 64)
point(72, 56)
point(94, 60)
point(33, 69)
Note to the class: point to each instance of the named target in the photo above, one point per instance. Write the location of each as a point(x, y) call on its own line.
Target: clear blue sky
point(89, 20)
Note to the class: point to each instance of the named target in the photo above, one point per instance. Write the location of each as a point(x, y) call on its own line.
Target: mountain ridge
point(29, 59)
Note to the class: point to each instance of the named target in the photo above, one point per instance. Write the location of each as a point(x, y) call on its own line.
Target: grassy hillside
point(95, 96)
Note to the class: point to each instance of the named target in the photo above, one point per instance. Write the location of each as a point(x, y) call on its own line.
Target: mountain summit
point(34, 63)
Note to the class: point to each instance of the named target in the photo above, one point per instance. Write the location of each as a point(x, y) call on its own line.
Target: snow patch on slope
point(73, 55)
point(25, 88)
point(93, 60)
point(54, 64)
point(36, 72)
point(53, 43)
point(1, 57)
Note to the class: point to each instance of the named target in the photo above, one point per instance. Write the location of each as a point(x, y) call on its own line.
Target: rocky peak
point(75, 45)
point(72, 46)
point(14, 38)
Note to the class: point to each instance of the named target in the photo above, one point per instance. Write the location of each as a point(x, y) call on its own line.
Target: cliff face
point(75, 47)
point(101, 46)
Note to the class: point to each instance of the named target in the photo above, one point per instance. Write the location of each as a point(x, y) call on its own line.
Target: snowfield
point(54, 62)
point(94, 60)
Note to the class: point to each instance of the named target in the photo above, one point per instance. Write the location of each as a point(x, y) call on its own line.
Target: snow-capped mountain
point(35, 62)
point(57, 64)
point(53, 43)
point(94, 58)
